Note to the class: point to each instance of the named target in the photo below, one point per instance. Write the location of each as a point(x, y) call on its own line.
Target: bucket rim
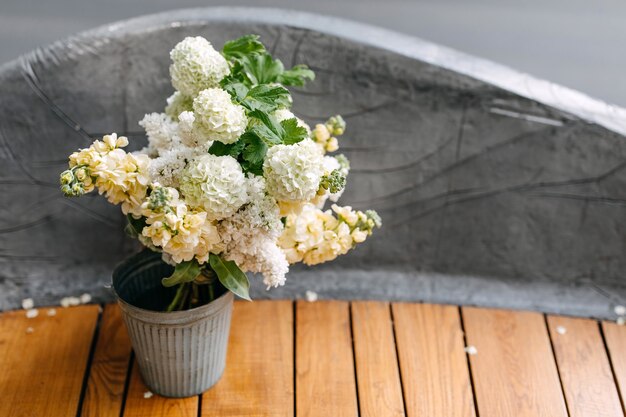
point(144, 259)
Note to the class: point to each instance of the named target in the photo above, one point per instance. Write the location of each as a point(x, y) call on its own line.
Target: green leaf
point(236, 89)
point(297, 76)
point(230, 276)
point(232, 149)
point(255, 149)
point(266, 98)
point(269, 130)
point(292, 132)
point(243, 46)
point(184, 272)
point(261, 68)
point(134, 226)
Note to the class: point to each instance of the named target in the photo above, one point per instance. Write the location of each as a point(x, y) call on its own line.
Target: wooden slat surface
point(615, 337)
point(340, 358)
point(380, 390)
point(514, 370)
point(109, 367)
point(325, 382)
point(156, 406)
point(258, 380)
point(584, 368)
point(42, 373)
point(433, 363)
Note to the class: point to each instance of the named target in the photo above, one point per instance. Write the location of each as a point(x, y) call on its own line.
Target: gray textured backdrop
point(577, 43)
point(495, 188)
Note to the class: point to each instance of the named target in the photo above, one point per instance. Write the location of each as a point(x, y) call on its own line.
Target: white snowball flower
point(178, 103)
point(216, 184)
point(293, 172)
point(217, 117)
point(196, 65)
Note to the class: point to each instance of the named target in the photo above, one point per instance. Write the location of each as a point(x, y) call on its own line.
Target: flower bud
point(66, 177)
point(77, 189)
point(81, 174)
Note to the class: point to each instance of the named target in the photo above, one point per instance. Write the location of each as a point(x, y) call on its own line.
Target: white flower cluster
point(209, 183)
point(215, 184)
point(250, 236)
point(196, 65)
point(217, 118)
point(293, 172)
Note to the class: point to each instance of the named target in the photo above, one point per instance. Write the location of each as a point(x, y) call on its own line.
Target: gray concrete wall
point(576, 43)
point(495, 188)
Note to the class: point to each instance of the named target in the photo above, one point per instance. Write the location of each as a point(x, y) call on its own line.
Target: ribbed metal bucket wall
point(181, 353)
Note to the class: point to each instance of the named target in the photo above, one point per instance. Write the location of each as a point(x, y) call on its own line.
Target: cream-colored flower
point(181, 233)
point(315, 236)
point(122, 177)
point(196, 65)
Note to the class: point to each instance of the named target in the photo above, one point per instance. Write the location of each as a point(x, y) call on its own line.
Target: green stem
point(211, 293)
point(184, 301)
point(176, 300)
point(195, 298)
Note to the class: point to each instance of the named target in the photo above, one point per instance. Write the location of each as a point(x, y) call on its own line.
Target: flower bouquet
point(230, 182)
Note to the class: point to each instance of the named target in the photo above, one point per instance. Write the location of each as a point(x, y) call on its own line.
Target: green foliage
point(261, 68)
point(184, 272)
point(232, 149)
point(292, 132)
point(296, 76)
point(252, 65)
point(230, 276)
point(255, 83)
point(266, 98)
point(134, 226)
point(246, 45)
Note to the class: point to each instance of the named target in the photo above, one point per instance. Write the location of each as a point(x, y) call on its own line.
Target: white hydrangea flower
point(196, 65)
point(293, 172)
point(178, 103)
point(160, 130)
point(216, 184)
point(217, 117)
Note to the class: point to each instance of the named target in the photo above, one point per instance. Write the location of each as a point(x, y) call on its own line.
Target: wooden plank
point(615, 337)
point(109, 367)
point(378, 378)
point(42, 372)
point(584, 367)
point(325, 381)
point(258, 380)
point(514, 370)
point(433, 363)
point(137, 405)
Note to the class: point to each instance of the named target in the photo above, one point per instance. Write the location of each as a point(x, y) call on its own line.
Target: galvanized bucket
point(180, 353)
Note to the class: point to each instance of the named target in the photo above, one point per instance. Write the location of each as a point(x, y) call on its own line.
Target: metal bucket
point(181, 353)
